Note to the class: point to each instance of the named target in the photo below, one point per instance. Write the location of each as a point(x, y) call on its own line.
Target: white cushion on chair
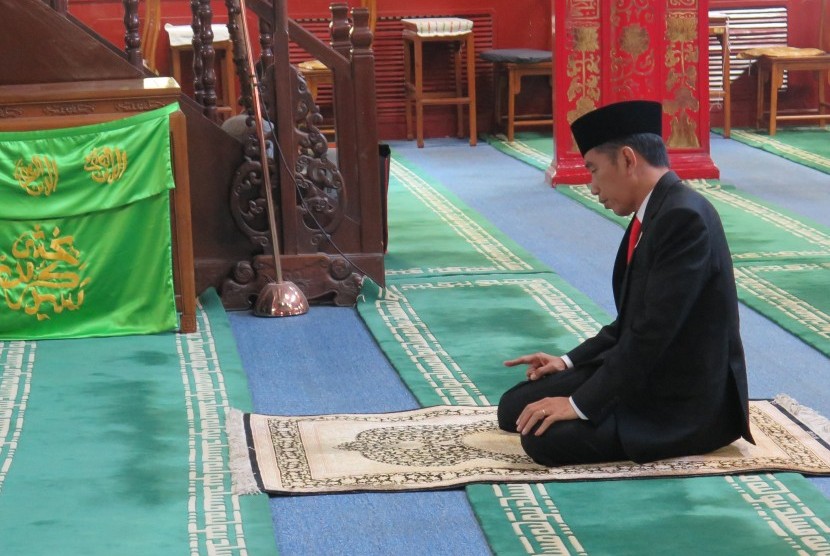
point(181, 35)
point(438, 26)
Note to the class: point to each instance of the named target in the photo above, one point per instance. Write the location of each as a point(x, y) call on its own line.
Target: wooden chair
point(719, 28)
point(774, 61)
point(512, 65)
point(181, 41)
point(458, 33)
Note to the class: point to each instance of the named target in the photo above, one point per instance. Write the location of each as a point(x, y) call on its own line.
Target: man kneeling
point(667, 378)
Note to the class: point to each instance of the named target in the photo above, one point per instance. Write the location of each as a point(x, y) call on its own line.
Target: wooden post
point(283, 102)
point(207, 55)
point(132, 40)
point(368, 184)
point(198, 64)
point(605, 52)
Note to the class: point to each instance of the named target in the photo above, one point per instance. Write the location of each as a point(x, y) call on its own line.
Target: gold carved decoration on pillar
point(632, 54)
point(682, 55)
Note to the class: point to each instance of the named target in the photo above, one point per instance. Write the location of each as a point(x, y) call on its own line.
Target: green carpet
point(117, 446)
point(424, 211)
point(809, 146)
point(448, 335)
point(782, 261)
point(442, 327)
point(713, 516)
point(531, 147)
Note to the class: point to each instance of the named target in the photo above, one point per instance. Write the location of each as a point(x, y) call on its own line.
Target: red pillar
point(607, 51)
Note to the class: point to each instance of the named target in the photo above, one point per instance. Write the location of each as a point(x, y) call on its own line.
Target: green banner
point(85, 245)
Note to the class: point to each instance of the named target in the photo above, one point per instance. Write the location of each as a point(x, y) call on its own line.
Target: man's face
point(611, 182)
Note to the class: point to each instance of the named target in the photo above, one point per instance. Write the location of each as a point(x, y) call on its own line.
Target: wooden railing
point(330, 214)
point(336, 208)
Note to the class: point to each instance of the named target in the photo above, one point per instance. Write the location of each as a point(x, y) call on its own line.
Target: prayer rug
point(809, 146)
point(450, 446)
point(117, 445)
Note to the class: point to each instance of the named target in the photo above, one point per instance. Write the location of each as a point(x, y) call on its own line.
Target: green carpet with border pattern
point(809, 146)
point(447, 336)
point(118, 446)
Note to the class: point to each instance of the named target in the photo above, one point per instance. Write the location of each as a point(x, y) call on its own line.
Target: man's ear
point(630, 158)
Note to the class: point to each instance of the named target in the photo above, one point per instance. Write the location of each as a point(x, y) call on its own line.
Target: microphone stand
point(279, 298)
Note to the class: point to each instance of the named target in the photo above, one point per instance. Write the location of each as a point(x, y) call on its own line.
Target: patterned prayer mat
point(450, 446)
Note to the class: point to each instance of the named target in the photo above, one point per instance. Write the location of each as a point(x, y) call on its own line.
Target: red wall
point(516, 23)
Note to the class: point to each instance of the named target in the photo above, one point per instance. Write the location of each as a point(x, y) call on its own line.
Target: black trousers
point(565, 442)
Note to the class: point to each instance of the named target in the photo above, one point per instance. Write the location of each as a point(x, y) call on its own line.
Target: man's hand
point(547, 411)
point(538, 364)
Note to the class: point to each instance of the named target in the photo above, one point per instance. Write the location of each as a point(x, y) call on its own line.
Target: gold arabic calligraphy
point(43, 275)
point(27, 175)
point(105, 164)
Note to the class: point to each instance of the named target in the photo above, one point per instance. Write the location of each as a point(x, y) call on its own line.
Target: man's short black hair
point(650, 146)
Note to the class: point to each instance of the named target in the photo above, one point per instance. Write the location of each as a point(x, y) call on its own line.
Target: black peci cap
point(615, 121)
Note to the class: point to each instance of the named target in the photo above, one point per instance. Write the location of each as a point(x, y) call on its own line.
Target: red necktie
point(632, 239)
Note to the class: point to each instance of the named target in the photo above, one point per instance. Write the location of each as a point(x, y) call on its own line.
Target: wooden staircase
point(330, 215)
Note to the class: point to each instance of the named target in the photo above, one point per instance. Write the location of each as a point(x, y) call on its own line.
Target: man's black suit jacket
point(671, 367)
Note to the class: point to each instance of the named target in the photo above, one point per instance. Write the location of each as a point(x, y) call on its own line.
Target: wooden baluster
point(196, 41)
point(266, 56)
point(208, 55)
point(239, 56)
point(339, 28)
point(132, 40)
point(361, 34)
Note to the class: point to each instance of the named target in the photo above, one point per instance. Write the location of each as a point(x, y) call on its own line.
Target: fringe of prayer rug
point(450, 446)
point(118, 446)
point(446, 336)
